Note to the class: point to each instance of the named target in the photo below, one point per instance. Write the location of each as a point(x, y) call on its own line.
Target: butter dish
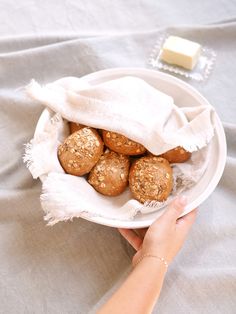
point(182, 57)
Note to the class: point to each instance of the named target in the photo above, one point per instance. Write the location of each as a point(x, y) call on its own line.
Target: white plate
point(184, 95)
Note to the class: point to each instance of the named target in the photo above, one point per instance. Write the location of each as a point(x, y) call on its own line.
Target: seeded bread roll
point(178, 154)
point(75, 127)
point(80, 151)
point(150, 179)
point(110, 175)
point(121, 144)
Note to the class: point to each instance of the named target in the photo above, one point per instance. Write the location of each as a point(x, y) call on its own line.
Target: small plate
point(200, 72)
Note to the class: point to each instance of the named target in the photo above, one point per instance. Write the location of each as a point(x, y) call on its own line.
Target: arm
point(163, 239)
point(139, 292)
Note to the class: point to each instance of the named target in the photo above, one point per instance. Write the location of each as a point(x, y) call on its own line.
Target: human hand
point(165, 237)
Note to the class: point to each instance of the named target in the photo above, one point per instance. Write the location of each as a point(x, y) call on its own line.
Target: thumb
point(184, 224)
point(175, 209)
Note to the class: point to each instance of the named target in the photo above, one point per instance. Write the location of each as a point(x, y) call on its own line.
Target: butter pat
point(180, 51)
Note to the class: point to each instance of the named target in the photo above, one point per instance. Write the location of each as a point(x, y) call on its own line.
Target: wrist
point(152, 263)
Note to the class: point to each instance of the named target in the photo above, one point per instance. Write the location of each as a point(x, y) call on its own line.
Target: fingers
point(184, 224)
point(131, 237)
point(175, 209)
point(188, 218)
point(141, 232)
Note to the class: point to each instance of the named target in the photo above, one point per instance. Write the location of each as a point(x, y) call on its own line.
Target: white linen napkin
point(128, 106)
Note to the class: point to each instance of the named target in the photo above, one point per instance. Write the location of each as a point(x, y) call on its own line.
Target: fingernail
point(182, 200)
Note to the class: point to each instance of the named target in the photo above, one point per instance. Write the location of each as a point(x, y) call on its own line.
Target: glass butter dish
point(200, 71)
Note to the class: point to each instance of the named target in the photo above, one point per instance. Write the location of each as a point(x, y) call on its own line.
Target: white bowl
point(183, 95)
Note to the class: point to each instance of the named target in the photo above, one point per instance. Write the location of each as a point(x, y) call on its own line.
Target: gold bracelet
point(151, 255)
